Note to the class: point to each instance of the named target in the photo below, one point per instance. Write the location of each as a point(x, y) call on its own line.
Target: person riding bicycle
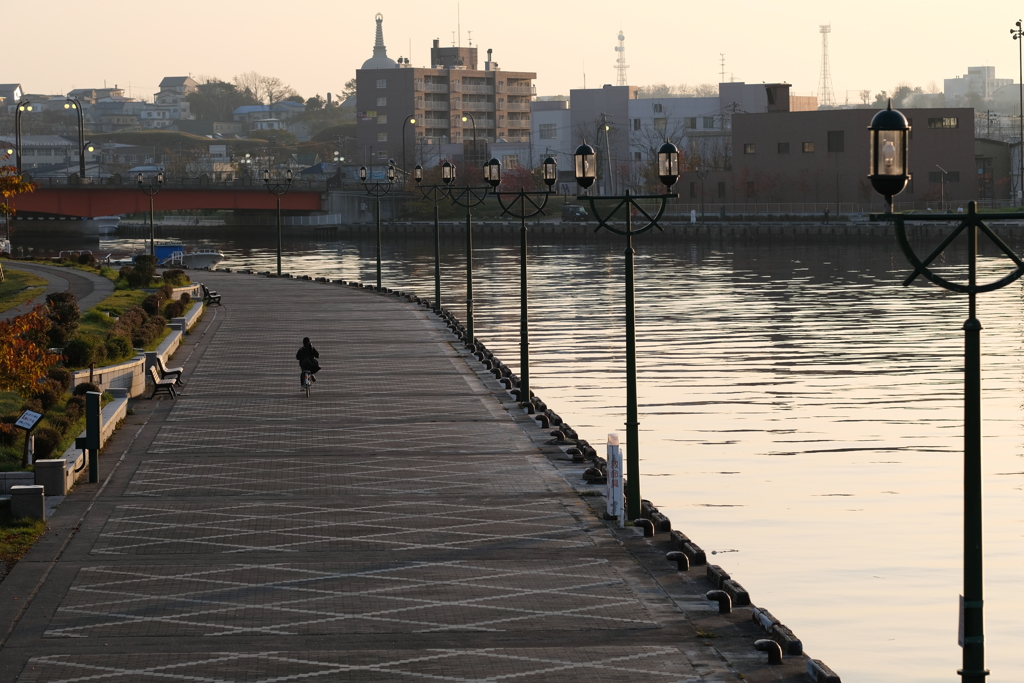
point(307, 357)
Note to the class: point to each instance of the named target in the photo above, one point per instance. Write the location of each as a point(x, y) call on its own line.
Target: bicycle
point(306, 381)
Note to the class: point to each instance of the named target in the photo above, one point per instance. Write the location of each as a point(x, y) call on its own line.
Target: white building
point(980, 80)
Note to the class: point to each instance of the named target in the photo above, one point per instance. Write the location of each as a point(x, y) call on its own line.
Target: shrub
point(84, 387)
point(81, 350)
point(62, 423)
point(57, 336)
point(61, 375)
point(138, 326)
point(74, 408)
point(124, 271)
point(176, 277)
point(166, 291)
point(50, 393)
point(145, 268)
point(9, 435)
point(86, 259)
point(174, 310)
point(32, 404)
point(185, 298)
point(64, 314)
point(9, 418)
point(151, 304)
point(119, 347)
point(47, 440)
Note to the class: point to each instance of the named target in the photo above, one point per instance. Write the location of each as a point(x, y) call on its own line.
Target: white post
point(693, 216)
point(614, 491)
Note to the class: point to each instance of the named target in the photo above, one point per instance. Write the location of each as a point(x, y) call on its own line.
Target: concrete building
point(822, 156)
point(980, 80)
point(996, 177)
point(390, 94)
point(170, 104)
point(49, 151)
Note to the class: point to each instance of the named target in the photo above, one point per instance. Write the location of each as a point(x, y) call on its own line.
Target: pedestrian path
point(88, 288)
point(404, 523)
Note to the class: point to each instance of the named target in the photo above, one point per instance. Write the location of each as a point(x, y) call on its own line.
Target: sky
point(316, 45)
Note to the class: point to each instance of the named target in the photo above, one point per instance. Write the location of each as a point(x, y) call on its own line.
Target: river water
point(801, 414)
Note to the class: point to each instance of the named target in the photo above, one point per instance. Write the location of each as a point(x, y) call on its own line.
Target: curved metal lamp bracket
point(468, 196)
point(377, 189)
point(971, 220)
point(630, 200)
point(434, 192)
point(523, 197)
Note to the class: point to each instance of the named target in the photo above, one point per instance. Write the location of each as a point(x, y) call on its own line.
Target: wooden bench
point(210, 297)
point(166, 371)
point(164, 385)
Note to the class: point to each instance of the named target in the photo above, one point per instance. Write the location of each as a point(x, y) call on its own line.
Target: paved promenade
point(405, 523)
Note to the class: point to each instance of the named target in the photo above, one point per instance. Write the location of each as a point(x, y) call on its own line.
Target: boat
point(102, 225)
point(5, 246)
point(175, 256)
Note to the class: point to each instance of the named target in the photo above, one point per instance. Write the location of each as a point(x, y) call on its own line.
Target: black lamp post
point(942, 187)
point(23, 107)
point(278, 187)
point(549, 172)
point(466, 116)
point(469, 197)
point(585, 162)
point(1018, 35)
point(702, 173)
point(377, 190)
point(435, 192)
point(411, 118)
point(151, 189)
point(73, 103)
point(971, 605)
point(889, 132)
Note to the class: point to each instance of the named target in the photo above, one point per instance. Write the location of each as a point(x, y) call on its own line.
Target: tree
point(23, 355)
point(349, 90)
point(295, 98)
point(11, 184)
point(265, 89)
point(315, 103)
point(216, 100)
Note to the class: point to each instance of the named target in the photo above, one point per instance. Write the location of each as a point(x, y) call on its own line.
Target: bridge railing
point(118, 181)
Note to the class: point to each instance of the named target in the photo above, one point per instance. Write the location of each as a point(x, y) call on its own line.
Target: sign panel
point(613, 492)
point(28, 420)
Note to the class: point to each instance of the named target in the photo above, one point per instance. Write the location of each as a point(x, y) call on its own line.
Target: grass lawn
point(18, 287)
point(16, 536)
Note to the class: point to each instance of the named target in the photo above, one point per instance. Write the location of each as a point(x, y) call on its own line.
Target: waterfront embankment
point(405, 521)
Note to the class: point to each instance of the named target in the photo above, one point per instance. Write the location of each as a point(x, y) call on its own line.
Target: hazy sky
point(316, 45)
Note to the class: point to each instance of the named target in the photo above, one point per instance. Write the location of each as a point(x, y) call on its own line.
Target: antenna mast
point(826, 98)
point(620, 62)
point(722, 73)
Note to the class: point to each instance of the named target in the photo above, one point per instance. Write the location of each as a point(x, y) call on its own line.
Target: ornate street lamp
point(468, 197)
point(585, 164)
point(23, 106)
point(277, 187)
point(377, 190)
point(151, 189)
point(73, 103)
point(1018, 35)
point(411, 118)
point(435, 192)
point(889, 174)
point(549, 172)
point(971, 602)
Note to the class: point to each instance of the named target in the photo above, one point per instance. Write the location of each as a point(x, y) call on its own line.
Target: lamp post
point(942, 188)
point(73, 103)
point(411, 118)
point(1018, 35)
point(278, 187)
point(585, 163)
point(549, 172)
point(469, 197)
point(466, 116)
point(972, 622)
point(378, 190)
point(889, 132)
point(702, 173)
point(23, 107)
point(151, 189)
point(435, 192)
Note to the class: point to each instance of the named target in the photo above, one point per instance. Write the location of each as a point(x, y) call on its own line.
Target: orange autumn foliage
point(23, 355)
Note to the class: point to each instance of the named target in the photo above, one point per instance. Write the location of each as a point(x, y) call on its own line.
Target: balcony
point(433, 87)
point(434, 105)
point(530, 90)
point(435, 122)
point(478, 106)
point(518, 106)
point(478, 89)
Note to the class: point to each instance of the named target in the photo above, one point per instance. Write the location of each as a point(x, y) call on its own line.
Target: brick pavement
point(405, 523)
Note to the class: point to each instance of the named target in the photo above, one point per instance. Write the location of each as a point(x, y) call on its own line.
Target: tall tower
point(826, 98)
point(620, 63)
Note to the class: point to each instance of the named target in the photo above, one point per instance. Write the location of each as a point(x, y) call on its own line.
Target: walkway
point(88, 288)
point(399, 525)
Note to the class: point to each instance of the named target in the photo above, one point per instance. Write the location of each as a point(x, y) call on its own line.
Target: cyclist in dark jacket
point(307, 357)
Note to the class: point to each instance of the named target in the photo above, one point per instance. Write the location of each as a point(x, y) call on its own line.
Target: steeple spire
point(378, 45)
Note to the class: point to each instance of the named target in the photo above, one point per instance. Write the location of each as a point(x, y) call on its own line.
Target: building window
point(548, 131)
point(709, 122)
point(749, 148)
point(637, 156)
point(382, 82)
point(657, 108)
point(690, 122)
point(510, 161)
point(783, 148)
point(721, 189)
point(661, 125)
point(382, 118)
point(382, 137)
point(382, 154)
point(946, 122)
point(636, 124)
point(836, 141)
point(382, 101)
point(693, 190)
point(807, 147)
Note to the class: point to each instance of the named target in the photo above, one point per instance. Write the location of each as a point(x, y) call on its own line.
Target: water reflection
point(800, 411)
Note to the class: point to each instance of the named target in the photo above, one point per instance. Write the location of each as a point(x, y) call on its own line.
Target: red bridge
point(89, 200)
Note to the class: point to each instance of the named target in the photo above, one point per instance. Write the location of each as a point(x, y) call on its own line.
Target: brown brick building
point(389, 94)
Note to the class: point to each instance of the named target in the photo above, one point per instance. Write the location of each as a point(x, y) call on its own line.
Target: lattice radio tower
point(826, 98)
point(620, 62)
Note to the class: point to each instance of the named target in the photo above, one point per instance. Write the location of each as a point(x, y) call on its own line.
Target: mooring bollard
point(647, 525)
point(722, 598)
point(681, 560)
point(772, 648)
